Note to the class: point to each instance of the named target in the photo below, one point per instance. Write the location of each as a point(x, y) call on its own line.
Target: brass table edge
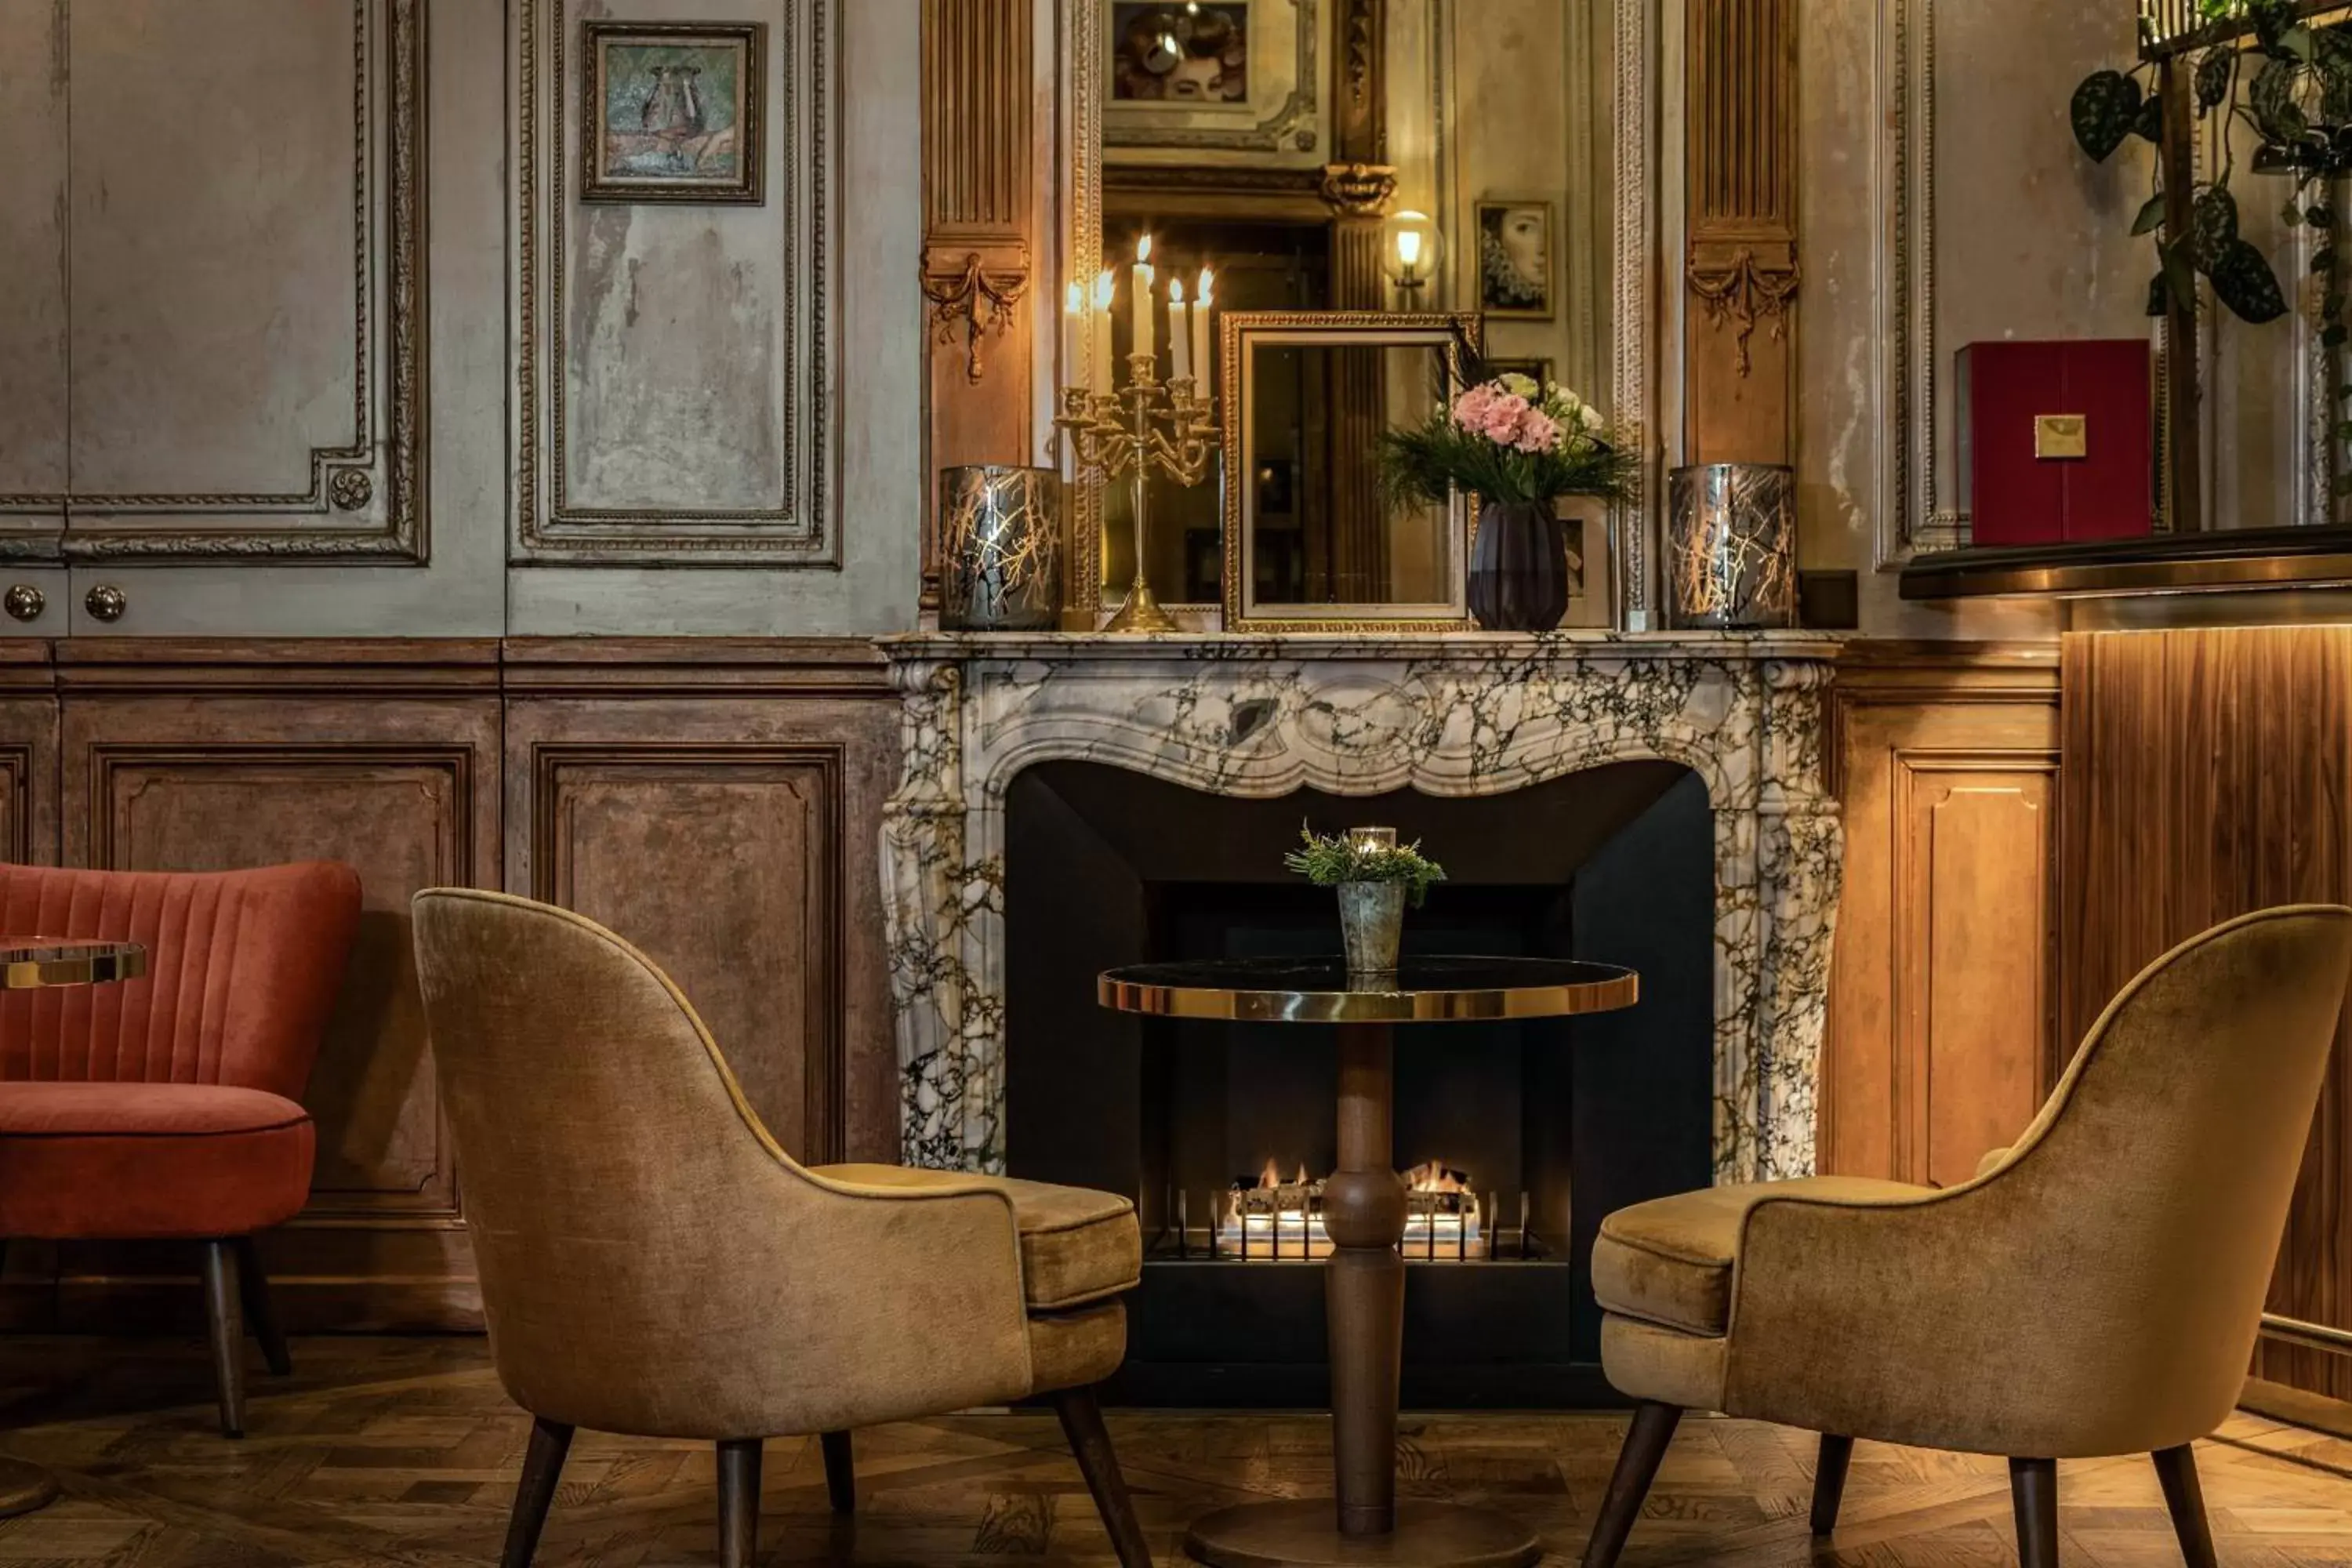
point(1490, 1004)
point(81, 963)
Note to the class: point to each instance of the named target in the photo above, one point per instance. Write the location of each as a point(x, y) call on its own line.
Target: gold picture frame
point(695, 91)
point(1457, 335)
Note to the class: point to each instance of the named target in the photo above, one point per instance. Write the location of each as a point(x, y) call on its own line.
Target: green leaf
point(2213, 227)
point(2340, 484)
point(2178, 276)
point(2343, 430)
point(2320, 216)
point(2323, 260)
point(2212, 82)
point(2296, 41)
point(2271, 100)
point(2151, 214)
point(2158, 296)
point(2333, 338)
point(2290, 215)
point(2149, 123)
point(2243, 281)
point(2103, 108)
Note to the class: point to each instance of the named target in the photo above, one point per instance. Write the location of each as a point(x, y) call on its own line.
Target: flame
point(1143, 248)
point(1175, 290)
point(1434, 1177)
point(1271, 1176)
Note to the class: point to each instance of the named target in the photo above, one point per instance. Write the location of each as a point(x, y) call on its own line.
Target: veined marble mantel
point(1461, 715)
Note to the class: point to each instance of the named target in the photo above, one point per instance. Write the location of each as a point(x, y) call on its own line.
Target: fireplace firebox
point(1520, 1135)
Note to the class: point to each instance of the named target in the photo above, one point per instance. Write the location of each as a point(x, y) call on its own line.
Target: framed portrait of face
point(1516, 270)
point(672, 113)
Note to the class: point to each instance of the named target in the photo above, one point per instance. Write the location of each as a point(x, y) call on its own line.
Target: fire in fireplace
point(1271, 1219)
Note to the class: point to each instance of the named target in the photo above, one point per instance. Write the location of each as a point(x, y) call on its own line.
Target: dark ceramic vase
point(1518, 567)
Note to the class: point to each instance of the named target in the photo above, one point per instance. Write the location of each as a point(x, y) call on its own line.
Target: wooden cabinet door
point(1941, 1038)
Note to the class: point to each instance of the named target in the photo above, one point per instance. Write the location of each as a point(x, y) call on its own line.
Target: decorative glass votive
point(1732, 546)
point(1001, 549)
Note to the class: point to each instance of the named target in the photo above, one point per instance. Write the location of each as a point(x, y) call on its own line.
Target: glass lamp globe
point(1411, 250)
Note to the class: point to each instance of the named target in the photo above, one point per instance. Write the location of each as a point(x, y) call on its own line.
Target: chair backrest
point(242, 971)
point(2154, 1185)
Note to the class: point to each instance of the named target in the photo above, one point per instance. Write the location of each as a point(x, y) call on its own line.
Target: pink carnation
point(1506, 419)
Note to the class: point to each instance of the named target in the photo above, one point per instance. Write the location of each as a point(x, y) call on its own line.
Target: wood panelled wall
point(2210, 774)
point(1942, 1037)
point(718, 801)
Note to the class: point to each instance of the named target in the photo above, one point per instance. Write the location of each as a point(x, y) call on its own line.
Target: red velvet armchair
point(169, 1107)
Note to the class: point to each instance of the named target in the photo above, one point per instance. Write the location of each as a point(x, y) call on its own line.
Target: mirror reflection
point(1320, 541)
point(1409, 156)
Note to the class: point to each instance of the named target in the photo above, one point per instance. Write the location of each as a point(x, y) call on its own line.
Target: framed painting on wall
point(671, 112)
point(1215, 81)
point(1516, 277)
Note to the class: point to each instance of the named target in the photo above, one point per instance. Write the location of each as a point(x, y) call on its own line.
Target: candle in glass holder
point(1371, 840)
point(1147, 323)
point(1179, 332)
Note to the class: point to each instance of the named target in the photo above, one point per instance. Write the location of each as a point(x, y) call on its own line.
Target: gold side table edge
point(1564, 1000)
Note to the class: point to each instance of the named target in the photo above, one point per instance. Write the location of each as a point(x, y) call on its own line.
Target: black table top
point(1423, 990)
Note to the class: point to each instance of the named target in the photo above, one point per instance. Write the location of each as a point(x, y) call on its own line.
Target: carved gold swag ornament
point(974, 301)
point(1746, 295)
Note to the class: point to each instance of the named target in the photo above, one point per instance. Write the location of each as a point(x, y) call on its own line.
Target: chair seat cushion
point(1077, 1245)
point(1669, 1261)
point(132, 1161)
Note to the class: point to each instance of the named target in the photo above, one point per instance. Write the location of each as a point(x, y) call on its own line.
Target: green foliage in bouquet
point(1330, 860)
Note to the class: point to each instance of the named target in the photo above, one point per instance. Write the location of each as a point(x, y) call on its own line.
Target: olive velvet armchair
point(2096, 1289)
point(652, 1263)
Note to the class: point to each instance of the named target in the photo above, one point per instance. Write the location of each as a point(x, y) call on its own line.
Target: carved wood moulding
point(364, 501)
point(1740, 268)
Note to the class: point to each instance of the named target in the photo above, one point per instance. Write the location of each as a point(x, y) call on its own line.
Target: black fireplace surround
point(1572, 1118)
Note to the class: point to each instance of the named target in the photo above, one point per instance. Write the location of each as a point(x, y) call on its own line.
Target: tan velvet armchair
point(653, 1264)
point(2095, 1290)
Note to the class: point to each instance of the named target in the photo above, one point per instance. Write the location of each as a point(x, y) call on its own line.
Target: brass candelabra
point(1149, 425)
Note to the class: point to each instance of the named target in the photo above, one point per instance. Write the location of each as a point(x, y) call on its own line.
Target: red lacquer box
point(2057, 440)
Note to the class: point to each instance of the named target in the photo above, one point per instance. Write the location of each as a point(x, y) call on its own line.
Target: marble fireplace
point(1461, 716)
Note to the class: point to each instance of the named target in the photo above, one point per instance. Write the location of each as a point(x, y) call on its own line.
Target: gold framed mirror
point(1383, 156)
point(1309, 542)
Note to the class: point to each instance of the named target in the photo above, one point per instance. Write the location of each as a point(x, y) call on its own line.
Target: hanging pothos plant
point(2290, 84)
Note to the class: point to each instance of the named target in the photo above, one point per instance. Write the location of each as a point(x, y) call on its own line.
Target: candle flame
point(1175, 290)
point(1074, 300)
point(1105, 286)
point(1143, 248)
point(1208, 280)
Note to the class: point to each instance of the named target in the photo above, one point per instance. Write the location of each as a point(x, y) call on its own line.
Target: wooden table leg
point(1364, 1214)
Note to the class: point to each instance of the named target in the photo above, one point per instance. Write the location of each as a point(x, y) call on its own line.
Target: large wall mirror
point(1409, 156)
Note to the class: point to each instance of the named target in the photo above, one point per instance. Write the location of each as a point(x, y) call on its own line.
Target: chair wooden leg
point(738, 1502)
point(2176, 1470)
point(543, 1467)
point(2033, 1490)
point(253, 1293)
point(1637, 1466)
point(1082, 1424)
point(226, 1319)
point(1829, 1480)
point(840, 1471)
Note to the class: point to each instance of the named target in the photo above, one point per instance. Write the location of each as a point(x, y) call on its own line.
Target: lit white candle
point(1073, 334)
point(1201, 336)
point(1179, 332)
point(1099, 379)
point(1147, 322)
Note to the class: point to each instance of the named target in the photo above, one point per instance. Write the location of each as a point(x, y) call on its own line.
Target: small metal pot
point(1371, 920)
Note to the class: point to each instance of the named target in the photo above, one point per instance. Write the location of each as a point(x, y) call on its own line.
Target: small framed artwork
point(671, 112)
point(1536, 370)
point(1193, 54)
point(1515, 257)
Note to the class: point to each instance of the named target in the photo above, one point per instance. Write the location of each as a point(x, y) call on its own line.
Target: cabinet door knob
point(26, 602)
point(106, 603)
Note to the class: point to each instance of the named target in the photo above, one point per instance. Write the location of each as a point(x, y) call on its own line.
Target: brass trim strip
point(33, 964)
point(2310, 1335)
point(1621, 990)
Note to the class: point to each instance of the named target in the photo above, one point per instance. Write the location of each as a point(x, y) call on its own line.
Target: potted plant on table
point(1376, 878)
point(1518, 446)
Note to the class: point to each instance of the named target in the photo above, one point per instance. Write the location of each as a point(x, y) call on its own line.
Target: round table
point(35, 964)
point(1364, 1212)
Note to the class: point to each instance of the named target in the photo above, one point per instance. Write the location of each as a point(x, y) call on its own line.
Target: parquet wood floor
point(402, 1453)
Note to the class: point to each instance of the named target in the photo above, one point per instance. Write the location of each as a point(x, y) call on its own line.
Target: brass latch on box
point(2060, 435)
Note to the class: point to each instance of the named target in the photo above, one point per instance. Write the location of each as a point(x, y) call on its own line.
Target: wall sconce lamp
point(1411, 252)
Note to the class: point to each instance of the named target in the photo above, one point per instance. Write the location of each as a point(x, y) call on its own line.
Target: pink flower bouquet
point(1505, 440)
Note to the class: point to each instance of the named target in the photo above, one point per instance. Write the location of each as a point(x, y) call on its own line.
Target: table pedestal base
point(1306, 1533)
point(24, 1487)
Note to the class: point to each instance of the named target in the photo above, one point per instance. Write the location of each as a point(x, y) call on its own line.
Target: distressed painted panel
point(672, 357)
point(217, 280)
point(32, 250)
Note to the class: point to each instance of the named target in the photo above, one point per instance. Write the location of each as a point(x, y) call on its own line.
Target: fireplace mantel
point(1467, 714)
